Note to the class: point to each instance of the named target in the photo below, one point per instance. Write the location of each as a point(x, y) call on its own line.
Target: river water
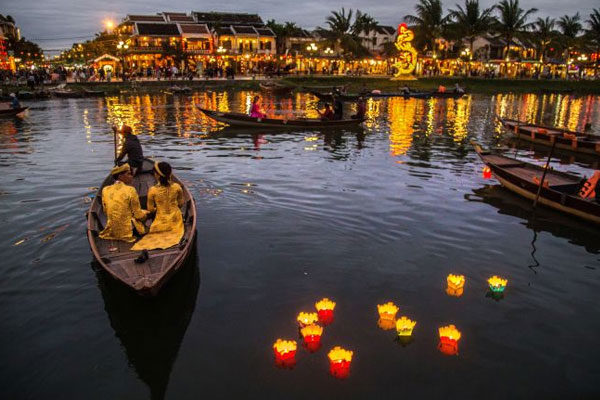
point(364, 216)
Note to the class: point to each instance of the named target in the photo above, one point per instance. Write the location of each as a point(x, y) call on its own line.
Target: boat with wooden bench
point(238, 119)
point(565, 140)
point(275, 87)
point(115, 256)
point(377, 95)
point(559, 190)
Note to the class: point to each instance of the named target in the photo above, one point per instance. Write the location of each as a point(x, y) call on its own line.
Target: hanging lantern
point(312, 337)
point(456, 284)
point(285, 353)
point(497, 284)
point(325, 309)
point(387, 311)
point(487, 172)
point(305, 318)
point(449, 337)
point(404, 326)
point(339, 362)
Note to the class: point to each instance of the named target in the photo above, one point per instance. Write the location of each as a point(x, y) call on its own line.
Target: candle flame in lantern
point(325, 304)
point(338, 354)
point(404, 326)
point(450, 332)
point(497, 284)
point(387, 311)
point(305, 318)
point(285, 346)
point(456, 281)
point(311, 330)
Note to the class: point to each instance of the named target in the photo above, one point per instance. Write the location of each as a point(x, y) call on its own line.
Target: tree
point(283, 32)
point(543, 34)
point(429, 21)
point(342, 33)
point(569, 26)
point(177, 52)
point(364, 24)
point(471, 22)
point(512, 21)
point(593, 33)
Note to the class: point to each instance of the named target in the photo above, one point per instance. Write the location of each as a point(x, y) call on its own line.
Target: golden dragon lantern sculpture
point(407, 58)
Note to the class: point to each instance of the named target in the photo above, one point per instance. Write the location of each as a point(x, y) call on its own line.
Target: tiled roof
point(157, 29)
point(174, 14)
point(194, 28)
point(245, 30)
point(265, 32)
point(145, 18)
point(228, 18)
point(386, 30)
point(181, 18)
point(224, 30)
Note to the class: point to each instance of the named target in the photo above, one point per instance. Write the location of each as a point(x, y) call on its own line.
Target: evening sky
point(56, 24)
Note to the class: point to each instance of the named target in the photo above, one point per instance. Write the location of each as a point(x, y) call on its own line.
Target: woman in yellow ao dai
point(165, 198)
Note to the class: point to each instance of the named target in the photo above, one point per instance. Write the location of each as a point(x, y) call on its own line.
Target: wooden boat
point(322, 89)
point(238, 119)
point(116, 257)
point(560, 190)
point(276, 88)
point(417, 95)
point(89, 92)
point(578, 142)
point(68, 94)
point(11, 112)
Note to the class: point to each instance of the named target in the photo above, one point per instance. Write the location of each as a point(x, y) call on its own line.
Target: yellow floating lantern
point(497, 284)
point(285, 352)
point(456, 285)
point(306, 318)
point(387, 311)
point(339, 362)
point(325, 309)
point(404, 326)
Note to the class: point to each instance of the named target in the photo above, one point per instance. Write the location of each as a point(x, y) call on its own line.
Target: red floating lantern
point(449, 337)
point(339, 362)
point(285, 353)
point(312, 337)
point(325, 309)
point(487, 172)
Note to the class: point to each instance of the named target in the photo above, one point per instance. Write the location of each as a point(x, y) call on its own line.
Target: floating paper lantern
point(325, 309)
point(387, 311)
point(487, 172)
point(404, 326)
point(285, 352)
point(497, 284)
point(449, 337)
point(339, 362)
point(456, 285)
point(312, 337)
point(305, 318)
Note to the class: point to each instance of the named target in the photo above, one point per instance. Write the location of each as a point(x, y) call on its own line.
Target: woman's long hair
point(165, 169)
point(255, 100)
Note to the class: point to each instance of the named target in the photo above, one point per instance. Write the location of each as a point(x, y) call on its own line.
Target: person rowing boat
point(327, 114)
point(131, 148)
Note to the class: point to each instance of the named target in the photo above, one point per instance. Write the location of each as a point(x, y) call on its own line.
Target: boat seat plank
point(502, 161)
point(552, 179)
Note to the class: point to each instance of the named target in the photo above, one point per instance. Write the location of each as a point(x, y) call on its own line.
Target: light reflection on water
point(361, 216)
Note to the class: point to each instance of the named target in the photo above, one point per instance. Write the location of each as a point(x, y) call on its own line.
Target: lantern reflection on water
point(404, 326)
point(387, 311)
point(497, 284)
point(487, 172)
point(312, 337)
point(285, 353)
point(325, 309)
point(305, 318)
point(456, 285)
point(339, 362)
point(449, 337)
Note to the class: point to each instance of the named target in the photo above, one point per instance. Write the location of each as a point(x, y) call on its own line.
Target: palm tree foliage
point(593, 33)
point(570, 27)
point(543, 34)
point(343, 33)
point(429, 23)
point(283, 32)
point(470, 22)
point(512, 21)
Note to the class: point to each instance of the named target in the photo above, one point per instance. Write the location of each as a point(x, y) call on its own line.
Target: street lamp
point(221, 50)
point(122, 47)
point(311, 48)
point(328, 51)
point(109, 24)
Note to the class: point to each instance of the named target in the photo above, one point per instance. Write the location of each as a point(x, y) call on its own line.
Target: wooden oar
point(115, 142)
point(537, 196)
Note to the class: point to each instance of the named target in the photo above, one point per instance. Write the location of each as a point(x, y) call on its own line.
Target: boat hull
point(242, 120)
point(11, 112)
